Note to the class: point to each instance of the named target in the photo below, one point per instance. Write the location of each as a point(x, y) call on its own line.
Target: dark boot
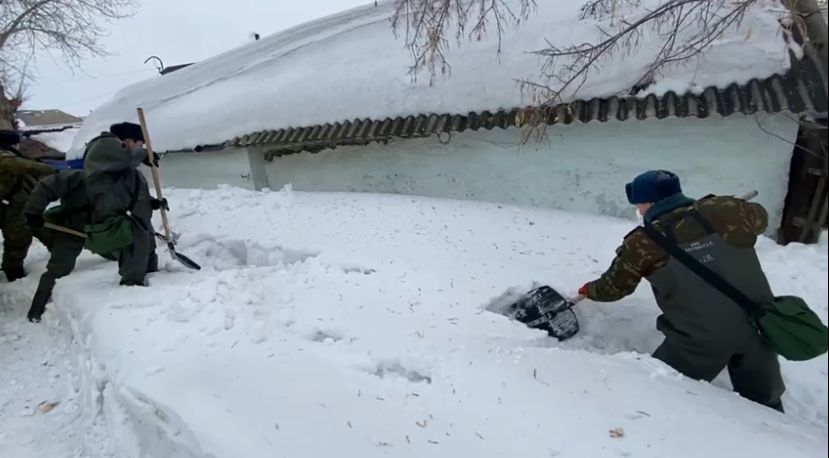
point(42, 297)
point(38, 305)
point(14, 273)
point(132, 283)
point(778, 406)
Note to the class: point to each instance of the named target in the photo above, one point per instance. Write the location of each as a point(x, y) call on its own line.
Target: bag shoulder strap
point(703, 272)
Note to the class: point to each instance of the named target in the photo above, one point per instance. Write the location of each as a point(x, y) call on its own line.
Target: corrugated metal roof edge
point(802, 89)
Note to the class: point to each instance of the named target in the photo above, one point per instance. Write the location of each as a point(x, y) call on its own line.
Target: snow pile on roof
point(349, 66)
point(61, 140)
point(352, 325)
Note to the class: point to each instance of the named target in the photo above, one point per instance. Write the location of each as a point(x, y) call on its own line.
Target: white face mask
point(639, 217)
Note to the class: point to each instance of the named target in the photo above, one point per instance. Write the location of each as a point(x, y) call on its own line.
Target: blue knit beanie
point(652, 187)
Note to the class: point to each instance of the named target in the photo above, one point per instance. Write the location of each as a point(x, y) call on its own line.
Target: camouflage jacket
point(737, 221)
point(18, 174)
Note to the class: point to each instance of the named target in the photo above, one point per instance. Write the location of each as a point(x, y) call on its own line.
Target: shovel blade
point(544, 308)
point(187, 262)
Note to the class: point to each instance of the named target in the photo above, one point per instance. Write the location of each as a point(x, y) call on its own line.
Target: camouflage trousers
point(17, 237)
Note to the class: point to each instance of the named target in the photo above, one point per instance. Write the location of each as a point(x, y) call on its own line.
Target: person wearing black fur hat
point(18, 176)
point(132, 137)
point(116, 188)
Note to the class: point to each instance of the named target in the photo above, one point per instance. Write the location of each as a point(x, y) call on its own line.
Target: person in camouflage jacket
point(705, 331)
point(18, 176)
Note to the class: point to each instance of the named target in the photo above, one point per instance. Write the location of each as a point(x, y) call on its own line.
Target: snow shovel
point(167, 237)
point(546, 309)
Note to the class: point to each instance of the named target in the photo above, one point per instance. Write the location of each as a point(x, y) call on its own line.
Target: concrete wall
point(206, 169)
point(580, 168)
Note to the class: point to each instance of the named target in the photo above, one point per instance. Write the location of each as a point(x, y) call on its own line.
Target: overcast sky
point(177, 31)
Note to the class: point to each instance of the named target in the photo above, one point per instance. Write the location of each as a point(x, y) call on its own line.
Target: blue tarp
point(67, 164)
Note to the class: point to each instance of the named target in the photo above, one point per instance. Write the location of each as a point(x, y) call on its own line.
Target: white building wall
point(579, 168)
point(206, 169)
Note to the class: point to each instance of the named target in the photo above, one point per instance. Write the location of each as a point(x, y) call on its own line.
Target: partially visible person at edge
point(112, 181)
point(705, 331)
point(18, 176)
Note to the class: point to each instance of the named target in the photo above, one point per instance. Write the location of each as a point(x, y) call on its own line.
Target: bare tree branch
point(73, 28)
point(683, 30)
point(429, 24)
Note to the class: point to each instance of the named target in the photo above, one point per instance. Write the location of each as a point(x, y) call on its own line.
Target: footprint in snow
point(226, 254)
point(393, 369)
point(354, 268)
point(327, 336)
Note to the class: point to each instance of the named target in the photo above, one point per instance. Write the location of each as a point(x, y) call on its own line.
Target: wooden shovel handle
point(65, 230)
point(156, 180)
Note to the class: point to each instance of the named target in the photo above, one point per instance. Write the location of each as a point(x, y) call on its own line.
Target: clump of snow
point(61, 141)
point(286, 79)
point(374, 336)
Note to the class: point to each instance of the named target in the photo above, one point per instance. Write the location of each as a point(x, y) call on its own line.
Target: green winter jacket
point(112, 177)
point(69, 187)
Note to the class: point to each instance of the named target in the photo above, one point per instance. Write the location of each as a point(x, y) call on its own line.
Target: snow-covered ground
point(283, 80)
point(43, 413)
point(352, 325)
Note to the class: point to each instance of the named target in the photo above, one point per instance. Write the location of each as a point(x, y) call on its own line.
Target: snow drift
point(350, 66)
point(355, 325)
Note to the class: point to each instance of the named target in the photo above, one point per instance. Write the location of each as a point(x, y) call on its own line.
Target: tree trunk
point(815, 29)
point(8, 107)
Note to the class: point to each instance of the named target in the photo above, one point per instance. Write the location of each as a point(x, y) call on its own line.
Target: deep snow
point(43, 411)
point(295, 77)
point(353, 325)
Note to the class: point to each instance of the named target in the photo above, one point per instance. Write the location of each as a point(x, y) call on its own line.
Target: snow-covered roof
point(60, 140)
point(350, 66)
point(43, 120)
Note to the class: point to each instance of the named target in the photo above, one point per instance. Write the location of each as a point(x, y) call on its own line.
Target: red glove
point(583, 289)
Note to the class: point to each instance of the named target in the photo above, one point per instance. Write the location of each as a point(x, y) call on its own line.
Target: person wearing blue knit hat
point(656, 187)
point(705, 331)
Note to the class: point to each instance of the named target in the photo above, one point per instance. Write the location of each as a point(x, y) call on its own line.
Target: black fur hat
point(127, 131)
point(9, 137)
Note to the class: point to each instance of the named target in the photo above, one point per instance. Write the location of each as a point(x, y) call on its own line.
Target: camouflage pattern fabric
point(18, 177)
point(737, 221)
